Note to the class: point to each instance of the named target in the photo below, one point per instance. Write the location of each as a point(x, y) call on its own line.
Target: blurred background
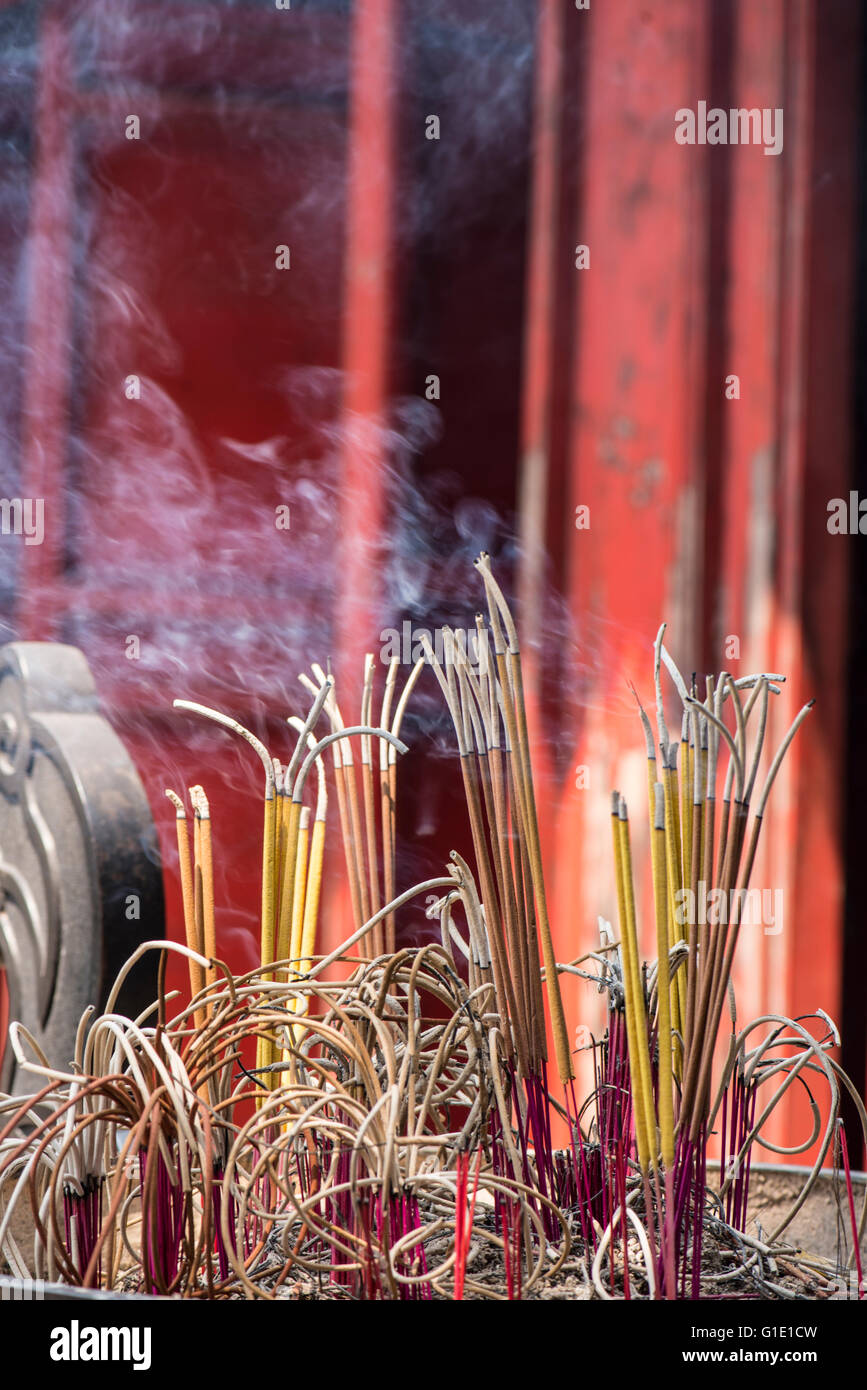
point(325, 258)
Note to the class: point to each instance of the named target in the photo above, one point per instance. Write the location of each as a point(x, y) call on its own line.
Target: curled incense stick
point(111, 1002)
point(662, 728)
point(735, 756)
point(780, 754)
point(322, 784)
point(321, 698)
point(356, 936)
point(298, 790)
point(404, 700)
point(760, 736)
point(739, 718)
point(268, 845)
point(448, 931)
point(227, 722)
point(475, 912)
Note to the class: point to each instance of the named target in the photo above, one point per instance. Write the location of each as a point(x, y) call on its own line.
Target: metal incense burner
point(80, 877)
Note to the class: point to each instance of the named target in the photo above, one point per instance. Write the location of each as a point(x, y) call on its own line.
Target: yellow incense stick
point(283, 944)
point(663, 996)
point(675, 884)
point(641, 1137)
point(197, 976)
point(206, 863)
point(311, 904)
point(632, 968)
point(311, 909)
point(300, 888)
point(268, 876)
point(264, 1048)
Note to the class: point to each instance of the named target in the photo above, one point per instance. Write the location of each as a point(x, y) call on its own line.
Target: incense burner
point(80, 877)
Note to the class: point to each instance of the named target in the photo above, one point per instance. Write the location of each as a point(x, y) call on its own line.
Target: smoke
point(177, 316)
point(201, 421)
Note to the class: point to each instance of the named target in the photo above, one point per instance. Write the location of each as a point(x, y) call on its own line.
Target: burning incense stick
point(340, 753)
point(204, 870)
point(369, 804)
point(308, 876)
point(197, 978)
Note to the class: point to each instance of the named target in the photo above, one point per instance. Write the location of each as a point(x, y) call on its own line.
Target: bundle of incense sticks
point(487, 708)
point(292, 860)
point(369, 855)
point(693, 860)
point(369, 1108)
point(292, 851)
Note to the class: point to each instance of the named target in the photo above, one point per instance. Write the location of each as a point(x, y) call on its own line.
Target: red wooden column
point(362, 516)
point(829, 560)
point(45, 422)
point(538, 373)
point(638, 379)
point(815, 453)
point(366, 356)
point(706, 512)
point(783, 582)
point(537, 391)
point(742, 526)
